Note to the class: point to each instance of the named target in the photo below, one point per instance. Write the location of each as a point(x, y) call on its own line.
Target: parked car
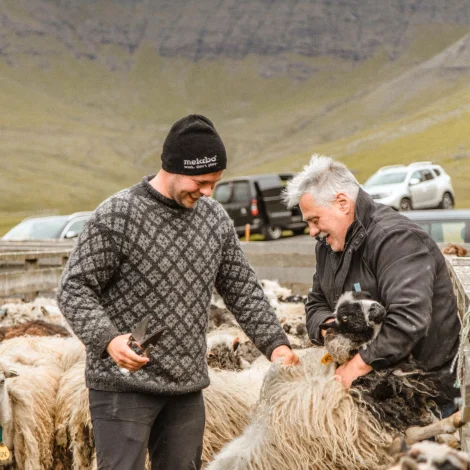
point(49, 227)
point(419, 185)
point(444, 226)
point(256, 200)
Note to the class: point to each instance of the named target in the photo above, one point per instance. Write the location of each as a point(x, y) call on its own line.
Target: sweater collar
point(159, 196)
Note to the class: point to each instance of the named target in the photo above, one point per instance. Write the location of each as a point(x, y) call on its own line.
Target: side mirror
point(71, 234)
point(414, 181)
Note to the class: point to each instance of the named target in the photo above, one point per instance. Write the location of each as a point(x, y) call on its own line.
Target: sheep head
point(357, 321)
point(223, 353)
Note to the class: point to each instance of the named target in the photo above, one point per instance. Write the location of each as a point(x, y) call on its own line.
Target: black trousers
point(125, 425)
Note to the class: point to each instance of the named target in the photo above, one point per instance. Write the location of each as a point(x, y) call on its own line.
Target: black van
point(256, 200)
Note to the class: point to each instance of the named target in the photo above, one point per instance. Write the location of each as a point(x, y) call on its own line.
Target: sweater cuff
point(104, 339)
point(279, 342)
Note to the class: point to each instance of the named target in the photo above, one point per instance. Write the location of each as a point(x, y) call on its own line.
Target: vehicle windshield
point(37, 229)
point(386, 178)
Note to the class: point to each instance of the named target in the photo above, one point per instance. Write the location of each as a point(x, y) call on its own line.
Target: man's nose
point(206, 190)
point(314, 231)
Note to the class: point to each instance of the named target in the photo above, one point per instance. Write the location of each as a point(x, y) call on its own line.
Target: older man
point(158, 249)
point(364, 243)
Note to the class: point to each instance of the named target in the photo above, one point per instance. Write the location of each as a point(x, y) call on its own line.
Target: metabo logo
point(200, 161)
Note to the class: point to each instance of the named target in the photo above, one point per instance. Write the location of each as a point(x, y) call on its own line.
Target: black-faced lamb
point(399, 396)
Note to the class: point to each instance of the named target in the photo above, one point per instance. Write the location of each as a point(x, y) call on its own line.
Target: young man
point(159, 248)
point(361, 243)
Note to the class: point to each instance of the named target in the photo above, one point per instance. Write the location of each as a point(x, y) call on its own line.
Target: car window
point(222, 193)
point(419, 175)
point(386, 178)
point(241, 192)
point(437, 171)
point(37, 229)
point(427, 175)
point(77, 226)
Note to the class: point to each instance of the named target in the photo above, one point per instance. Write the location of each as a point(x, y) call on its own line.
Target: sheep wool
point(306, 419)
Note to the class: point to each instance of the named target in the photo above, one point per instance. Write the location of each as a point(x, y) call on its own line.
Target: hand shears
point(141, 342)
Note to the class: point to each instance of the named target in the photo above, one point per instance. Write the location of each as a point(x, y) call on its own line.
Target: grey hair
point(323, 178)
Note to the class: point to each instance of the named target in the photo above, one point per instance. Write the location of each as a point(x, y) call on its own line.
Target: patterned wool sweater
point(141, 253)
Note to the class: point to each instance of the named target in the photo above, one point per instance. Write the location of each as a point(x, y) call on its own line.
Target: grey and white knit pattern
point(141, 253)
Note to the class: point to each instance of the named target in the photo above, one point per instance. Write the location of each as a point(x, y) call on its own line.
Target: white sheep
point(63, 352)
point(73, 428)
point(27, 399)
point(12, 314)
point(307, 419)
point(229, 401)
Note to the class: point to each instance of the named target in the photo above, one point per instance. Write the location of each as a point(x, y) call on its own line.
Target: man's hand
point(288, 356)
point(323, 332)
point(123, 355)
point(353, 369)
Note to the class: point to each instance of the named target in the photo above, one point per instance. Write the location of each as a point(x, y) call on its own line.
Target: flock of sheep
point(259, 415)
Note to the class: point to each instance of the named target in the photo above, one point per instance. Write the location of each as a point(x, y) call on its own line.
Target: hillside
point(88, 90)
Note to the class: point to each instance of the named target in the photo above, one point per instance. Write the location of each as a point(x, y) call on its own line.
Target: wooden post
point(31, 265)
point(247, 232)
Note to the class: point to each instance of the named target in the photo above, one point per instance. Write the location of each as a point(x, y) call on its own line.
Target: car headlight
point(380, 195)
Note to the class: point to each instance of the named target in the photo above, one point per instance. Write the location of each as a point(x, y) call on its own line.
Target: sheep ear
point(377, 313)
point(236, 343)
point(11, 373)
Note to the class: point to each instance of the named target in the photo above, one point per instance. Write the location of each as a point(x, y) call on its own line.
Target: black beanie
point(193, 147)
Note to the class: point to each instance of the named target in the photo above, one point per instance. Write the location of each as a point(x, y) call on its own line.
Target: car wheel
point(405, 204)
point(272, 233)
point(447, 202)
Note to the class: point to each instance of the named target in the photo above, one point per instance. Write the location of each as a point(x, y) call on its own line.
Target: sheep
point(229, 400)
point(357, 322)
point(306, 419)
point(33, 328)
point(400, 396)
point(13, 314)
point(428, 455)
point(27, 396)
point(223, 352)
point(30, 350)
point(220, 317)
point(74, 444)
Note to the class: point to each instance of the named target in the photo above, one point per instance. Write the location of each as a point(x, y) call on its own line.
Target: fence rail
point(30, 272)
point(459, 269)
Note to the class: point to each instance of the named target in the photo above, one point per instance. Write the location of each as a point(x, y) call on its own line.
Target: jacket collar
point(363, 208)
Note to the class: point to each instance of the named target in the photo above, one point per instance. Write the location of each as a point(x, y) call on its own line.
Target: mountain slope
point(88, 90)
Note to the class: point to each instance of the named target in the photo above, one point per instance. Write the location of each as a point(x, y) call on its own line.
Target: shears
point(141, 342)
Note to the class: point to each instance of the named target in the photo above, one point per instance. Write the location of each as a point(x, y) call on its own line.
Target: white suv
point(419, 185)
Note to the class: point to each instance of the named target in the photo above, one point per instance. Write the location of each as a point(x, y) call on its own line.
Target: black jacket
point(402, 268)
